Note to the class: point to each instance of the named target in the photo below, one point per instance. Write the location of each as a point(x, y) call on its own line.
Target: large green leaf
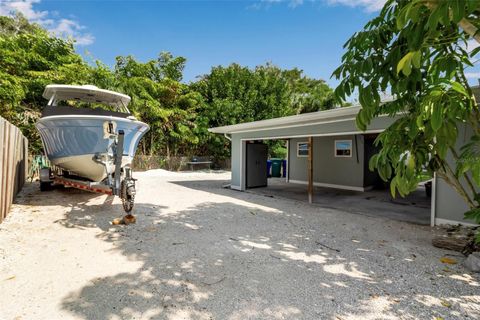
point(436, 120)
point(405, 64)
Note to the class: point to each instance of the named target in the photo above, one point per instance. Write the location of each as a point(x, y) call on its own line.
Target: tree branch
point(469, 29)
point(465, 175)
point(465, 24)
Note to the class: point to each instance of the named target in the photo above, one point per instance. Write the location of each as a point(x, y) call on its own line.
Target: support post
point(118, 162)
point(310, 169)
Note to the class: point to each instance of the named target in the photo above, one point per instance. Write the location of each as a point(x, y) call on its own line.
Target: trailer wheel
point(45, 181)
point(45, 186)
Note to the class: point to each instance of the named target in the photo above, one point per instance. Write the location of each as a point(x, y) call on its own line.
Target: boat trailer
point(118, 183)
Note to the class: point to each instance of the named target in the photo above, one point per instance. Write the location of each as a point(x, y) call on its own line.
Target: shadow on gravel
point(245, 257)
point(415, 208)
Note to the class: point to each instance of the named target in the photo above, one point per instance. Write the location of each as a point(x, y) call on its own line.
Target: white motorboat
point(82, 138)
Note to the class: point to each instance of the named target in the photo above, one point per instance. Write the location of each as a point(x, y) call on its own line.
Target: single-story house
point(339, 157)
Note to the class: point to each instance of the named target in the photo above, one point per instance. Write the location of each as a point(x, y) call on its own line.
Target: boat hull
point(74, 143)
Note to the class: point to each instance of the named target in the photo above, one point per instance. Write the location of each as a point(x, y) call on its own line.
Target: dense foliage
point(416, 51)
point(236, 94)
point(31, 59)
point(179, 114)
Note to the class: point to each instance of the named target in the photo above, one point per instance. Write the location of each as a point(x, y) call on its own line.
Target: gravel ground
point(199, 251)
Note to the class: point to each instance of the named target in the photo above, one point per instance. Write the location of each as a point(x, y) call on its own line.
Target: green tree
point(236, 94)
point(167, 105)
point(416, 51)
point(31, 59)
point(171, 67)
point(179, 114)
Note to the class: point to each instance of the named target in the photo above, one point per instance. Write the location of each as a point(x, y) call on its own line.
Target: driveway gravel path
point(199, 251)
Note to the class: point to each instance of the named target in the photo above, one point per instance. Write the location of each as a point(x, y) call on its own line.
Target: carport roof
point(327, 116)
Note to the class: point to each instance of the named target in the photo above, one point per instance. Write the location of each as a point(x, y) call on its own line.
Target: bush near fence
point(13, 164)
point(142, 163)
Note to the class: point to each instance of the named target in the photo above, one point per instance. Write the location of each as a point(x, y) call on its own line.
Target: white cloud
point(472, 75)
point(295, 3)
point(8, 7)
point(66, 28)
point(266, 4)
point(368, 5)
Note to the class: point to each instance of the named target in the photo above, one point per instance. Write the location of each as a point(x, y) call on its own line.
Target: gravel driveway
point(199, 251)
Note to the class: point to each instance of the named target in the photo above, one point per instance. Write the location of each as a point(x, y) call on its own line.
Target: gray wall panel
point(236, 160)
point(449, 204)
point(326, 167)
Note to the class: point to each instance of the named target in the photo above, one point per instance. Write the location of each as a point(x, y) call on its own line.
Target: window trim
point(298, 149)
point(335, 148)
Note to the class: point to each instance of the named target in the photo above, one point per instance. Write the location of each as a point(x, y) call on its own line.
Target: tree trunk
point(466, 25)
point(449, 176)
point(151, 144)
point(470, 29)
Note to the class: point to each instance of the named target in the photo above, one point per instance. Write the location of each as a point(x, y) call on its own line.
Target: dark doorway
point(256, 165)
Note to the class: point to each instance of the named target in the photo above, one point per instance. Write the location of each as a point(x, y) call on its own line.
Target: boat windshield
point(87, 97)
point(76, 103)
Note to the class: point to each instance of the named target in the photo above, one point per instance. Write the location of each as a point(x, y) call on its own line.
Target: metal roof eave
point(327, 116)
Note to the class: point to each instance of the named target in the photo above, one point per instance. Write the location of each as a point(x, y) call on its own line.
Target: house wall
point(328, 169)
point(238, 160)
point(449, 205)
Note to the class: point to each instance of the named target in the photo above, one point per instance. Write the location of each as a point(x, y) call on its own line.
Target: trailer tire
point(45, 182)
point(45, 186)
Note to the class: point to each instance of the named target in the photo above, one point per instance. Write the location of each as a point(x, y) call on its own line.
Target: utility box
point(256, 165)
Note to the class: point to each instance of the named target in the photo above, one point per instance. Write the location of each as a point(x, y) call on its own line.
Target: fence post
point(2, 173)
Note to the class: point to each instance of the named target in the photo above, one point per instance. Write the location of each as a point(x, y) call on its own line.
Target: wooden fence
point(13, 164)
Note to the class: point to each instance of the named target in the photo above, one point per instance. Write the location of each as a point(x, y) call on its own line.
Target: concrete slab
point(414, 208)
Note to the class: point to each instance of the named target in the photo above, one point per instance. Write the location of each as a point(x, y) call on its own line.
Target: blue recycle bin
point(269, 167)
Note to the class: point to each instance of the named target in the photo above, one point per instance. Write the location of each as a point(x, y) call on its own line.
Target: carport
point(414, 208)
point(325, 150)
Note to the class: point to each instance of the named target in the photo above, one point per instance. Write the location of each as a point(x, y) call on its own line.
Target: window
point(343, 148)
point(302, 149)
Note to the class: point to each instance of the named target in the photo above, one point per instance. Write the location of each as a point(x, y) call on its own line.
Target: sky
point(307, 34)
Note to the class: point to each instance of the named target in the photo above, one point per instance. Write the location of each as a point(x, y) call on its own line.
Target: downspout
point(433, 199)
point(356, 148)
point(288, 161)
point(229, 138)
